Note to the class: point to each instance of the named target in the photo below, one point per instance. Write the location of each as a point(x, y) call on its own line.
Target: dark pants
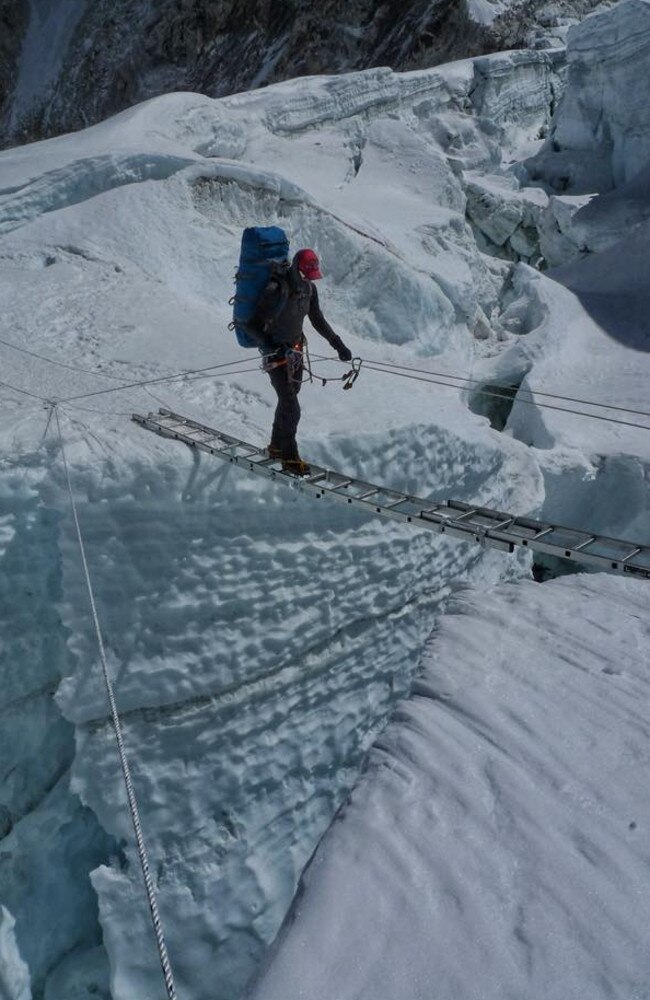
point(286, 380)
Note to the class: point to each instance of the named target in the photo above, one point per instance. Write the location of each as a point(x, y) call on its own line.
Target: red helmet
point(308, 264)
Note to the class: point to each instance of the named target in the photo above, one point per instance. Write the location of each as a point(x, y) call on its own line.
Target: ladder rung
point(540, 533)
point(315, 479)
point(244, 448)
point(204, 440)
point(343, 485)
point(631, 554)
point(174, 425)
point(467, 513)
point(501, 525)
point(588, 541)
point(396, 503)
point(368, 493)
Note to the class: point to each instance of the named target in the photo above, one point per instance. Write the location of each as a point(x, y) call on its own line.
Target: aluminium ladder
point(450, 517)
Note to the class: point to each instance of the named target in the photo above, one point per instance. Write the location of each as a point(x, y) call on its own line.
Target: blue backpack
point(264, 249)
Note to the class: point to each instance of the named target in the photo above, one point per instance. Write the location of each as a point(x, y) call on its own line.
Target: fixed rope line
point(198, 372)
point(514, 385)
point(24, 392)
point(115, 378)
point(59, 364)
point(504, 385)
point(132, 385)
point(370, 366)
point(390, 367)
point(380, 367)
point(133, 804)
point(499, 395)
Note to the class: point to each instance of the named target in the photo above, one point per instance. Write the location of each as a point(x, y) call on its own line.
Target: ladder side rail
point(641, 571)
point(174, 430)
point(363, 488)
point(188, 422)
point(586, 558)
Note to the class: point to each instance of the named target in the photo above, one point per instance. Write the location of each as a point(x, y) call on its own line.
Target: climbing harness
point(126, 772)
point(298, 361)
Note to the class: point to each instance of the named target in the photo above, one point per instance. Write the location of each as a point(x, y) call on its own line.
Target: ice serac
point(595, 236)
point(69, 63)
point(601, 135)
point(496, 837)
point(510, 88)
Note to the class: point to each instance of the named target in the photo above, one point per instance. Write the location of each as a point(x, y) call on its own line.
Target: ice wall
point(255, 658)
point(601, 134)
point(49, 841)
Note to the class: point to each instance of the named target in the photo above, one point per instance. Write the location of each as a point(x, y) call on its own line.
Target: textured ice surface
point(495, 844)
point(14, 972)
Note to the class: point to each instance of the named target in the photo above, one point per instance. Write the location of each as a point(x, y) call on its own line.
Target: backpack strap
point(280, 275)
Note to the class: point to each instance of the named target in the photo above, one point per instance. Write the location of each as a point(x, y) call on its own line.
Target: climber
point(288, 297)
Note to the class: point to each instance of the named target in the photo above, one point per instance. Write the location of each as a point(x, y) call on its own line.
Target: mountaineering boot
point(296, 466)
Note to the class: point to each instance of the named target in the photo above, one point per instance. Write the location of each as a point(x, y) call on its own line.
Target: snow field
point(494, 845)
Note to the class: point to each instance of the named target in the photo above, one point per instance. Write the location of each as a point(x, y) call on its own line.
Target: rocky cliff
point(65, 64)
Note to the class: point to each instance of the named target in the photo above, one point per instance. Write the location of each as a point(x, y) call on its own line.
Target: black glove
point(345, 354)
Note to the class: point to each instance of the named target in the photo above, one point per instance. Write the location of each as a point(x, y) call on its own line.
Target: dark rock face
point(124, 51)
point(14, 18)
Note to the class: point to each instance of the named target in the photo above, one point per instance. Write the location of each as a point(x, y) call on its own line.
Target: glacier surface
point(258, 645)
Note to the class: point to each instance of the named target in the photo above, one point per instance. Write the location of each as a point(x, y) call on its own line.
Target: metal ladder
point(450, 517)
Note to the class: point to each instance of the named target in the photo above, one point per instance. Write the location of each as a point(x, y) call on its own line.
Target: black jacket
point(285, 302)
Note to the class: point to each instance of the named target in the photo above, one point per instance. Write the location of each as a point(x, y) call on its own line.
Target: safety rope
point(510, 398)
point(423, 375)
point(58, 364)
point(524, 396)
point(197, 374)
point(515, 386)
point(426, 375)
point(133, 804)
